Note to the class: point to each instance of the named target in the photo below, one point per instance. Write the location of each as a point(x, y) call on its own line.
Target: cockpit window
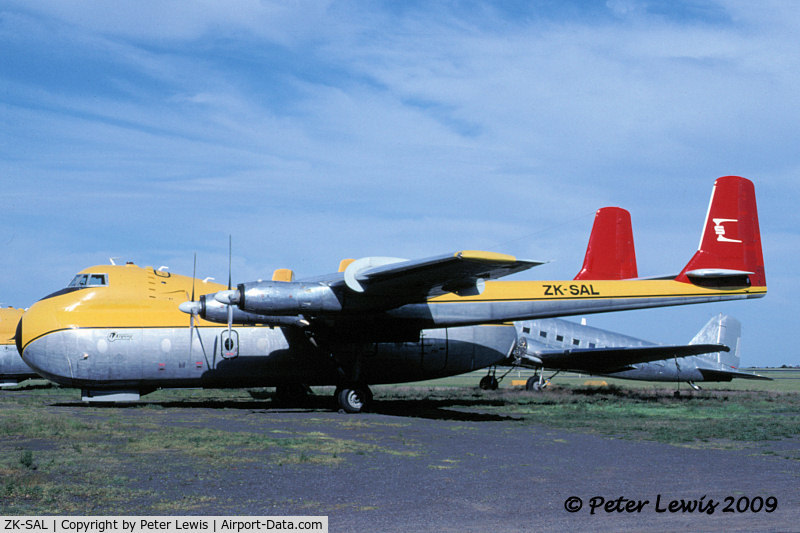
point(89, 280)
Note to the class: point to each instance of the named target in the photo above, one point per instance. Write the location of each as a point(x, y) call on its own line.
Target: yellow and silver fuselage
point(126, 332)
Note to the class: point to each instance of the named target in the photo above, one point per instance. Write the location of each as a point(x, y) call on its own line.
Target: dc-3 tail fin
point(610, 253)
point(730, 246)
point(721, 329)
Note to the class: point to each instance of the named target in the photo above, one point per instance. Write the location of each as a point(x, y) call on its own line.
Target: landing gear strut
point(489, 381)
point(537, 382)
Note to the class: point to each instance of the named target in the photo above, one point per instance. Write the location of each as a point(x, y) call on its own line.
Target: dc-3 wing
point(461, 272)
point(607, 360)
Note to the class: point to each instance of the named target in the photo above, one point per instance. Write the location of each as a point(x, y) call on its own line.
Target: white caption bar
point(162, 524)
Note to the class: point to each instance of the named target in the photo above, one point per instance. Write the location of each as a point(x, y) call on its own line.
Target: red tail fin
point(730, 245)
point(610, 253)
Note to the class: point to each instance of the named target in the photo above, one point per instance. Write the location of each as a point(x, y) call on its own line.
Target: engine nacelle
point(287, 298)
point(214, 311)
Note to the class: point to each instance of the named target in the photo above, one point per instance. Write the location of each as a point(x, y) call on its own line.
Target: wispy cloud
point(312, 131)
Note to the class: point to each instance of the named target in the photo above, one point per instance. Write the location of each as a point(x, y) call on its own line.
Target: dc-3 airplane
point(118, 332)
point(560, 345)
point(12, 368)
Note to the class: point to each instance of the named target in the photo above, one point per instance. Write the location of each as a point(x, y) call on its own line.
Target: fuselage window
point(543, 334)
point(592, 345)
point(526, 330)
point(78, 281)
point(576, 342)
point(560, 338)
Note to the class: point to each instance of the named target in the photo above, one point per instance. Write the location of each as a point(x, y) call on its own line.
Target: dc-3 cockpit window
point(89, 280)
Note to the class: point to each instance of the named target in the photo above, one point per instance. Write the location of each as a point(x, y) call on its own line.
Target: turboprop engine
point(281, 298)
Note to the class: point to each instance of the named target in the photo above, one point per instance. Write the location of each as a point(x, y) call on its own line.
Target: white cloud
point(312, 129)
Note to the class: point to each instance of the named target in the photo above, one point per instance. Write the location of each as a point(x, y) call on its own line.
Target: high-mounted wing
point(461, 273)
point(608, 360)
point(368, 284)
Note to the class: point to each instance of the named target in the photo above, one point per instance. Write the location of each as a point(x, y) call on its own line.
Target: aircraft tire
point(352, 400)
point(488, 383)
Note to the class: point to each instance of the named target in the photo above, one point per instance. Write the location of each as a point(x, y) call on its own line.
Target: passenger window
point(543, 334)
point(560, 338)
point(592, 345)
point(576, 342)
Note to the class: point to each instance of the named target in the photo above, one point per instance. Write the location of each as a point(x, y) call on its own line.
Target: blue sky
point(148, 131)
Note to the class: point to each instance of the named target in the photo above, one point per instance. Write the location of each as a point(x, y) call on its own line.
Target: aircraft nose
point(38, 346)
point(47, 360)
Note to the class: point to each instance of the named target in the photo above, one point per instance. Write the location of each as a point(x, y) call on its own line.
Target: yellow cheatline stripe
point(504, 291)
point(492, 257)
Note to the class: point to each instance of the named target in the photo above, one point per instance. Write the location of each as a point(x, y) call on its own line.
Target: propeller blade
point(194, 274)
point(230, 322)
point(191, 335)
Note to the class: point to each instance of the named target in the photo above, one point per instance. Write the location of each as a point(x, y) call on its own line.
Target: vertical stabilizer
point(610, 253)
point(730, 245)
point(721, 329)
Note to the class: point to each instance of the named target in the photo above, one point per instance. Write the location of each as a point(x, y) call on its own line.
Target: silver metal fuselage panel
point(12, 367)
point(150, 358)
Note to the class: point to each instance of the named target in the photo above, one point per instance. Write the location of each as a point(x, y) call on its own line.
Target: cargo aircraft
point(118, 332)
point(560, 345)
point(12, 368)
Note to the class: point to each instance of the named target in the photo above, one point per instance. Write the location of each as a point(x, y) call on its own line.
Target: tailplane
point(730, 246)
point(610, 253)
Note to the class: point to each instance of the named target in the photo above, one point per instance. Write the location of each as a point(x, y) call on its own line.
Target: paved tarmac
point(498, 475)
point(452, 470)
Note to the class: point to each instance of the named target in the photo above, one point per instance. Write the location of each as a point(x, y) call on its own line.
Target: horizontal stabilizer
point(607, 360)
point(727, 375)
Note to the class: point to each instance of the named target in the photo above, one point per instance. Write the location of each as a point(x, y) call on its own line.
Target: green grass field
point(783, 380)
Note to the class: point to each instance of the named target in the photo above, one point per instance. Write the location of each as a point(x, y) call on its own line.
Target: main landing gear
point(489, 382)
point(353, 399)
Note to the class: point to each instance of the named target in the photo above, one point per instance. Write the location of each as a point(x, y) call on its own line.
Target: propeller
point(193, 308)
point(230, 304)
